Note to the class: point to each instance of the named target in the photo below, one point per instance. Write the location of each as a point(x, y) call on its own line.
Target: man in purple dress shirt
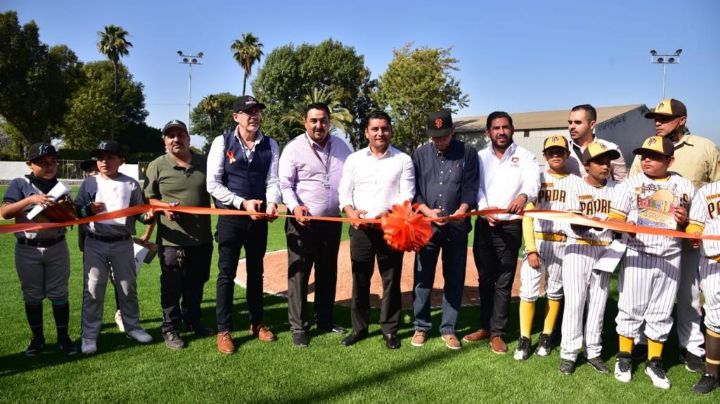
point(311, 166)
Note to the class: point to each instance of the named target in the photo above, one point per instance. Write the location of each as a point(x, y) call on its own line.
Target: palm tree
point(340, 117)
point(246, 52)
point(114, 45)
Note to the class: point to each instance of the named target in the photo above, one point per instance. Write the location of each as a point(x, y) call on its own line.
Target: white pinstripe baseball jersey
point(556, 193)
point(594, 202)
point(705, 213)
point(652, 202)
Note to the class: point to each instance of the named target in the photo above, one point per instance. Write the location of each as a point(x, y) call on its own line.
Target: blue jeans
point(454, 258)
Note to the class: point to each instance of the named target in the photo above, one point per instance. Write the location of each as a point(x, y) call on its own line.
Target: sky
point(514, 55)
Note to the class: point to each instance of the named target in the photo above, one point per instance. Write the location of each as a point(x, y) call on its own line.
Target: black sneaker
point(706, 384)
point(66, 346)
point(300, 339)
point(567, 367)
point(544, 345)
point(37, 344)
point(623, 367)
point(656, 371)
point(692, 363)
point(599, 365)
point(173, 340)
point(523, 349)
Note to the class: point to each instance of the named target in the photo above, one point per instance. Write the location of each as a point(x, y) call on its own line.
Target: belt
point(507, 222)
point(43, 242)
point(583, 241)
point(108, 239)
point(550, 237)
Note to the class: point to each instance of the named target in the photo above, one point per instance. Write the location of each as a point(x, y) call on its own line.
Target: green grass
point(261, 372)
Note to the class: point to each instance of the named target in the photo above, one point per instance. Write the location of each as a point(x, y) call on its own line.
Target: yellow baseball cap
point(668, 107)
point(657, 144)
point(556, 141)
point(595, 150)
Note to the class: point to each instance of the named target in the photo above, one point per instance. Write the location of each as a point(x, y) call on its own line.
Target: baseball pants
point(585, 289)
point(43, 271)
point(710, 284)
point(647, 287)
point(689, 313)
point(99, 259)
point(551, 268)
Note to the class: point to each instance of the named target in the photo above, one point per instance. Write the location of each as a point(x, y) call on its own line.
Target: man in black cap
point(242, 174)
point(446, 183)
point(185, 240)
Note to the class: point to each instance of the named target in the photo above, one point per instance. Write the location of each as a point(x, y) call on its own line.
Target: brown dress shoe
point(224, 343)
point(451, 341)
point(498, 345)
point(477, 336)
point(262, 333)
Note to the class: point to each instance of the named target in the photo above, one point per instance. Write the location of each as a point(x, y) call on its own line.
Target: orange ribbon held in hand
point(405, 229)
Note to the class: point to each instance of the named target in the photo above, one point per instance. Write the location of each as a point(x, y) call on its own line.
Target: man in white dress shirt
point(374, 179)
point(509, 177)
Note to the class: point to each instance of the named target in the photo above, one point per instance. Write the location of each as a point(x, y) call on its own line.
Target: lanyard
point(325, 164)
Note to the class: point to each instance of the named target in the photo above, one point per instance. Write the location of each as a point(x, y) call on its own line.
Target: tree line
point(47, 93)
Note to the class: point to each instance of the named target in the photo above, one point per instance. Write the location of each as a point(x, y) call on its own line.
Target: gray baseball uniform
point(109, 247)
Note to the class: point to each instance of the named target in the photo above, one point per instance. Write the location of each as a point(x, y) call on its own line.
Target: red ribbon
point(404, 229)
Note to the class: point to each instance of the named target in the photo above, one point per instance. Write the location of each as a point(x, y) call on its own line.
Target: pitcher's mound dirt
point(276, 279)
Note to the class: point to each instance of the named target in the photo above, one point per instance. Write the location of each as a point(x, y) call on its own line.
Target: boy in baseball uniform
point(648, 283)
point(544, 247)
point(704, 219)
point(42, 258)
point(585, 287)
point(109, 246)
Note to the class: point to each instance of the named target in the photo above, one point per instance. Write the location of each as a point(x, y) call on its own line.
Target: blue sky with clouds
point(515, 55)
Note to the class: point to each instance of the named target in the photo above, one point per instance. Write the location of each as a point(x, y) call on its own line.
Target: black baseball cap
point(109, 146)
point(39, 150)
point(439, 124)
point(174, 124)
point(246, 103)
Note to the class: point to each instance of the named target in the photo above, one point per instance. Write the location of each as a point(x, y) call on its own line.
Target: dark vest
point(245, 180)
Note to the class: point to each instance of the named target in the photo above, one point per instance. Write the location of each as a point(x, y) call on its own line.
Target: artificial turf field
point(125, 371)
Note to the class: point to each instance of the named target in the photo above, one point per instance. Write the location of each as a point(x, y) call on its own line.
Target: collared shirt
point(503, 179)
point(618, 169)
point(310, 174)
point(215, 170)
point(446, 180)
point(170, 182)
point(375, 184)
point(696, 158)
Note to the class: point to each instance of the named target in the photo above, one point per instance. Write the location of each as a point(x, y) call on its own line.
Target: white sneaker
point(119, 321)
point(89, 346)
point(139, 335)
point(623, 369)
point(655, 370)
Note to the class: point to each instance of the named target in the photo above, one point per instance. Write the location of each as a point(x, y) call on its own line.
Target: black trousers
point(184, 271)
point(233, 233)
point(495, 249)
point(365, 245)
point(317, 244)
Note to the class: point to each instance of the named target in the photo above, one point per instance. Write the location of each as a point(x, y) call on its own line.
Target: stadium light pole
point(190, 60)
point(664, 60)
